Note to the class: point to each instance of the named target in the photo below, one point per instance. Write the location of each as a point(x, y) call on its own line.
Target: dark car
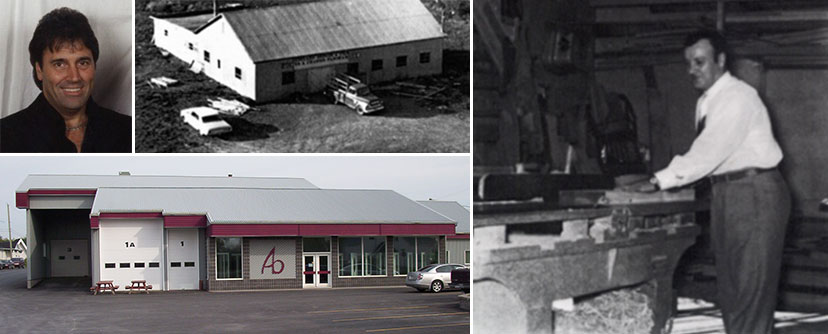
point(6, 264)
point(18, 262)
point(460, 279)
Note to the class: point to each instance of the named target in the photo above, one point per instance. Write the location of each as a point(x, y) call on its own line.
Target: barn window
point(402, 61)
point(376, 64)
point(353, 68)
point(218, 61)
point(190, 45)
point(124, 265)
point(109, 265)
point(288, 78)
point(139, 264)
point(425, 57)
point(207, 56)
point(166, 33)
point(228, 258)
point(238, 73)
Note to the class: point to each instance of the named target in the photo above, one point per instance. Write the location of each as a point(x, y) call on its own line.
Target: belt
point(739, 174)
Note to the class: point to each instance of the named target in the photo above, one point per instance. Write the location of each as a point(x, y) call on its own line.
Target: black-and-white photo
point(650, 166)
point(302, 76)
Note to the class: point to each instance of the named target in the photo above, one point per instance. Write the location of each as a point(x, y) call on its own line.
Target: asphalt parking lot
point(66, 306)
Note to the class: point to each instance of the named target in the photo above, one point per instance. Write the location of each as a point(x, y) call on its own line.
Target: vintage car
point(206, 120)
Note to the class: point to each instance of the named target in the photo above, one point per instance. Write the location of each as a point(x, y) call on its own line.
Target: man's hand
point(646, 185)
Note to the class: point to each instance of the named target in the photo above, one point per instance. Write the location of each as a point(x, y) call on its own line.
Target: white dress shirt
point(737, 135)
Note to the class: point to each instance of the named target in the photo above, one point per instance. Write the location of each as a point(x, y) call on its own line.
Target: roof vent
point(123, 173)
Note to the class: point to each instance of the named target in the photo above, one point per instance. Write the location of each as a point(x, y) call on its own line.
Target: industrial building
point(224, 233)
point(268, 53)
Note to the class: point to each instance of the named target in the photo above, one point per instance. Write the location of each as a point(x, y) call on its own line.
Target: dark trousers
point(748, 221)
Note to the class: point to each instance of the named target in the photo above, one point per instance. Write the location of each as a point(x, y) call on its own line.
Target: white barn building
point(268, 53)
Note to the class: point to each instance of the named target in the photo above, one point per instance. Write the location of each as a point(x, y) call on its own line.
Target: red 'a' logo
point(272, 265)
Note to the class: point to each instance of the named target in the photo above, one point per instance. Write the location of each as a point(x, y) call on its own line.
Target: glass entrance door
point(316, 270)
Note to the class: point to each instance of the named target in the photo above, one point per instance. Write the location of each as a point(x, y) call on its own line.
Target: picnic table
point(139, 285)
point(103, 286)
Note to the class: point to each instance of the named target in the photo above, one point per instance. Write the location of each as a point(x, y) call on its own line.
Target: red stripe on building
point(185, 221)
point(339, 229)
point(417, 229)
point(252, 230)
point(256, 230)
point(62, 192)
point(21, 200)
point(459, 236)
point(93, 222)
point(130, 215)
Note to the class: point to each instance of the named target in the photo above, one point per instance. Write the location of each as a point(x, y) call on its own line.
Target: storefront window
point(405, 258)
point(228, 258)
point(350, 256)
point(316, 244)
point(467, 257)
point(427, 251)
point(374, 255)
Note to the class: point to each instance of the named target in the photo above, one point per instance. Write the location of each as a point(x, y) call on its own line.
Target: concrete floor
point(700, 317)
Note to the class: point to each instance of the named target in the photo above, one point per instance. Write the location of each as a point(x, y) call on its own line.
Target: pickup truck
point(460, 279)
point(353, 93)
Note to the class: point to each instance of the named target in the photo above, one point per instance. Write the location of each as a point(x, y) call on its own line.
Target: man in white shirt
point(750, 203)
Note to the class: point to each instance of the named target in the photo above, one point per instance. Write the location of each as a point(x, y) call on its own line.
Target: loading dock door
point(131, 249)
point(182, 259)
point(69, 258)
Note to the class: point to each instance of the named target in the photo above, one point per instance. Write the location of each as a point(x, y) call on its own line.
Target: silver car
point(434, 277)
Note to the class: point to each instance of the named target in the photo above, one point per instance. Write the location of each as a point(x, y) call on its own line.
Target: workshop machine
point(546, 240)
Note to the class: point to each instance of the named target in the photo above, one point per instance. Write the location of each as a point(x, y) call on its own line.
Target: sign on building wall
point(272, 258)
point(326, 59)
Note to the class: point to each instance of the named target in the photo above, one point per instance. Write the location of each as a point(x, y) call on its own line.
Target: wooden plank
point(803, 302)
point(623, 3)
point(483, 219)
point(527, 186)
point(805, 278)
point(642, 15)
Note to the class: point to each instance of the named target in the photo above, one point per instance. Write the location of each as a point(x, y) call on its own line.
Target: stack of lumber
point(805, 266)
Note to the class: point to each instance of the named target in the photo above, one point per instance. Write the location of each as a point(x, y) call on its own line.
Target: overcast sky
point(416, 177)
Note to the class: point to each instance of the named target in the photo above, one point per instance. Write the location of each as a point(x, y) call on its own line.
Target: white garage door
point(182, 259)
point(132, 250)
point(69, 258)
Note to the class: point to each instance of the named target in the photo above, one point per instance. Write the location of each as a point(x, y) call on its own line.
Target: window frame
point(207, 56)
point(375, 68)
point(288, 74)
point(238, 73)
point(404, 62)
point(417, 263)
point(241, 263)
point(362, 257)
point(427, 57)
point(467, 257)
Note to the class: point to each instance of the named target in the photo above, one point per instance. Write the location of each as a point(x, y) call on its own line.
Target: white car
point(205, 120)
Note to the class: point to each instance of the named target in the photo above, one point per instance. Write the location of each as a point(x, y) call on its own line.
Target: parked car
point(460, 279)
point(6, 264)
point(206, 120)
point(18, 262)
point(433, 277)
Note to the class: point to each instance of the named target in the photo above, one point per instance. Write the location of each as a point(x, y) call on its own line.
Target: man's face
point(67, 75)
point(704, 67)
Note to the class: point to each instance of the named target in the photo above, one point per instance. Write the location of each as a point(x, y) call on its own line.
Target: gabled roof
point(452, 210)
point(269, 206)
point(60, 182)
point(309, 28)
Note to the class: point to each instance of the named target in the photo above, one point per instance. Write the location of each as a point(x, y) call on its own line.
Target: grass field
point(312, 125)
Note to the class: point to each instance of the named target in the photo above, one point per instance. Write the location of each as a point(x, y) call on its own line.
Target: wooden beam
point(627, 3)
point(487, 24)
point(643, 15)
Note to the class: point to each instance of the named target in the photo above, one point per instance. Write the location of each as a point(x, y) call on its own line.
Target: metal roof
point(300, 29)
point(263, 206)
point(191, 23)
point(59, 182)
point(452, 210)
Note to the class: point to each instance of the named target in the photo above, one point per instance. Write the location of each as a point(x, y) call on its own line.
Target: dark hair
point(62, 25)
point(716, 39)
